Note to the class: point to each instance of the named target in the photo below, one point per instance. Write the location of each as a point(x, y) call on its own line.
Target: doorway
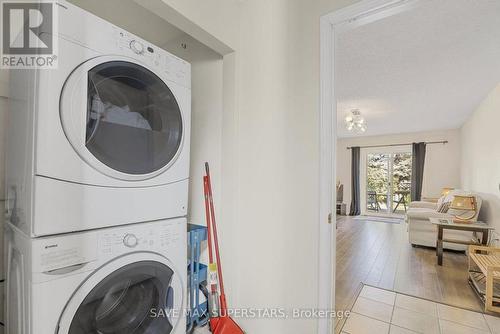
point(387, 182)
point(377, 251)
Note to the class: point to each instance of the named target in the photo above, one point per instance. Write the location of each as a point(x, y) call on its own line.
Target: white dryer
point(128, 279)
point(102, 140)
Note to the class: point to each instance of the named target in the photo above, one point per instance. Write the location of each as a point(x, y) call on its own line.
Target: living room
point(418, 164)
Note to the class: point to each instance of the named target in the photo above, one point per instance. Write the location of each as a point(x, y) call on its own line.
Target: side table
point(443, 224)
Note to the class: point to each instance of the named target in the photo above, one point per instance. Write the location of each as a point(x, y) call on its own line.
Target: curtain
point(355, 189)
point(417, 170)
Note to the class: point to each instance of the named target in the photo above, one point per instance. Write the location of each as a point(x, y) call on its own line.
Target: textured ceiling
point(420, 70)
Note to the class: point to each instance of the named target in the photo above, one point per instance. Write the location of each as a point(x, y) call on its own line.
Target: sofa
point(426, 203)
point(422, 232)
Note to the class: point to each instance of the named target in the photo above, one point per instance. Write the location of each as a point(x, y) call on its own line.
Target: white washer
point(102, 140)
point(114, 280)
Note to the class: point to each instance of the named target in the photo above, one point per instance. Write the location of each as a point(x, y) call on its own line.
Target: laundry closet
point(204, 138)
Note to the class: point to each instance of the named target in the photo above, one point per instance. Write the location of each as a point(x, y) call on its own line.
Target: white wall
point(481, 156)
point(4, 104)
point(442, 162)
point(206, 121)
point(219, 18)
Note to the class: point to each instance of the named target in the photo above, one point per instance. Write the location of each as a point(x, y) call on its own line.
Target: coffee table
point(443, 224)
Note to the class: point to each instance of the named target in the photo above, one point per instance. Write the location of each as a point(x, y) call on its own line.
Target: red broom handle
point(216, 240)
point(209, 227)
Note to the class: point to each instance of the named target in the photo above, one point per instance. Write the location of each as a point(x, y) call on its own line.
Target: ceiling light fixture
point(354, 122)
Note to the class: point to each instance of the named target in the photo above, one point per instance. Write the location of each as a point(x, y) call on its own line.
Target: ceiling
point(420, 70)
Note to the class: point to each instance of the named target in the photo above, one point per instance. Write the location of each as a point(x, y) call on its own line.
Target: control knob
point(130, 240)
point(137, 47)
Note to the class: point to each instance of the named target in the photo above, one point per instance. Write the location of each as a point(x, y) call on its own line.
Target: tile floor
point(378, 311)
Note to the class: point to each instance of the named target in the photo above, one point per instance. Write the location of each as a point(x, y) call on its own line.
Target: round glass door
point(126, 302)
point(133, 121)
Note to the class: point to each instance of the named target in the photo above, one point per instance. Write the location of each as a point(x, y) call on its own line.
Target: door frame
point(331, 24)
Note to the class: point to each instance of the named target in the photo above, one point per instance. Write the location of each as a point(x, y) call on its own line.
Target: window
point(388, 182)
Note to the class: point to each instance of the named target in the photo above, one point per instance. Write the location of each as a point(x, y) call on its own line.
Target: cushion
point(440, 200)
point(444, 207)
point(423, 204)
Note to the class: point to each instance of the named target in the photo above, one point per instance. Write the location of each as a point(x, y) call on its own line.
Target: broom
point(220, 321)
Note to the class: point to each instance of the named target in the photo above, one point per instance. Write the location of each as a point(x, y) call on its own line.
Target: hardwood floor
point(380, 255)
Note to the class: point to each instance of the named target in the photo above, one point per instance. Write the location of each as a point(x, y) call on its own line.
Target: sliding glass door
point(388, 180)
point(377, 182)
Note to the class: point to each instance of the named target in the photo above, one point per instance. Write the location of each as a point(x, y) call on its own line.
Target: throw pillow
point(444, 207)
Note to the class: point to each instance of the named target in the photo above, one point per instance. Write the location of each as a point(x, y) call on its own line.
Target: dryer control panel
point(175, 68)
point(90, 31)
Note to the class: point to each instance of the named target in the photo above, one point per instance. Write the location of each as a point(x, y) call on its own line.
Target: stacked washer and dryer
point(97, 182)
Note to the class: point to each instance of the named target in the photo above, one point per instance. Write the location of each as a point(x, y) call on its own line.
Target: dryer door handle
point(66, 270)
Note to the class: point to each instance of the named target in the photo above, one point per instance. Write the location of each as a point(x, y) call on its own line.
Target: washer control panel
point(130, 240)
point(54, 257)
point(59, 252)
point(135, 237)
